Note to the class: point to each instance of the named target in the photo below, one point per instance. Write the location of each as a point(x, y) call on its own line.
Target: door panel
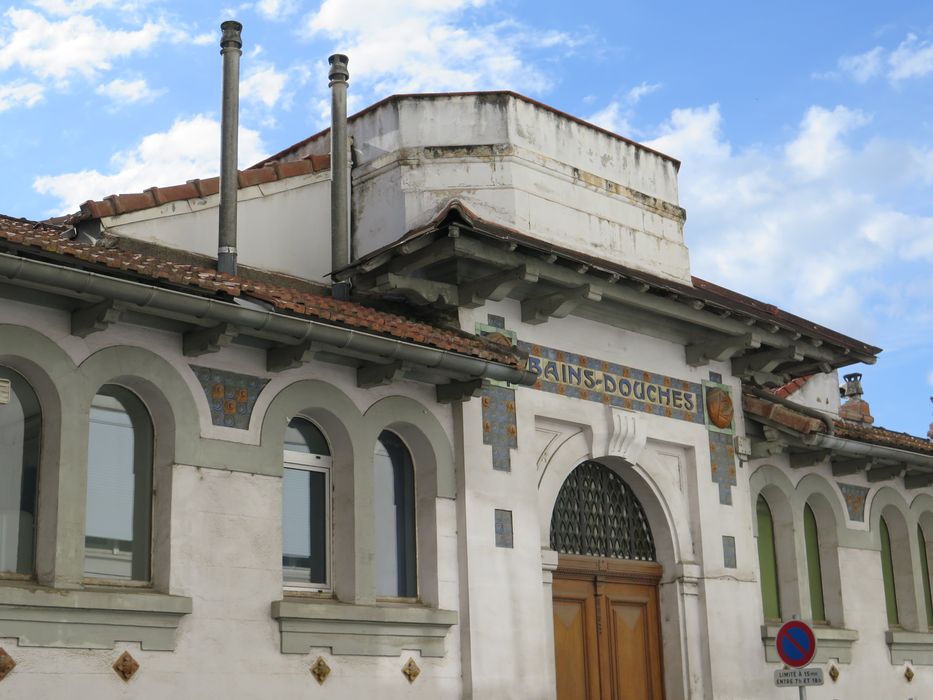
point(632, 641)
point(575, 640)
point(607, 634)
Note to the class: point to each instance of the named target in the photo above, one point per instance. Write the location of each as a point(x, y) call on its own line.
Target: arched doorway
point(607, 633)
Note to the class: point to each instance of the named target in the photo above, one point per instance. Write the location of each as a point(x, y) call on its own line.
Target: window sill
point(90, 619)
point(364, 630)
point(831, 643)
point(915, 647)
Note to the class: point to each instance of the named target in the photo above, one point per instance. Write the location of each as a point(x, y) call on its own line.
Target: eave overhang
point(808, 438)
point(461, 260)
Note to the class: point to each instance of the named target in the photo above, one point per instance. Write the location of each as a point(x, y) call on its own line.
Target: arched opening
point(20, 439)
point(118, 521)
point(306, 505)
point(607, 634)
point(767, 562)
point(394, 510)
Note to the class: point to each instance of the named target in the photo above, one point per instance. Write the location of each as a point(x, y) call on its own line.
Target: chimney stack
point(930, 431)
point(855, 409)
point(339, 172)
point(231, 49)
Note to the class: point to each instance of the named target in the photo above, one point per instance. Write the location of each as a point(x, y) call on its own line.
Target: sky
point(805, 129)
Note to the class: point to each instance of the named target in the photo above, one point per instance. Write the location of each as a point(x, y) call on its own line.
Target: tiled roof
point(882, 436)
point(51, 241)
point(805, 424)
point(194, 189)
point(782, 392)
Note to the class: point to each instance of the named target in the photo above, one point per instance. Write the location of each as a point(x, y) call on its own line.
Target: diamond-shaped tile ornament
point(6, 664)
point(909, 674)
point(320, 670)
point(834, 672)
point(126, 666)
point(410, 670)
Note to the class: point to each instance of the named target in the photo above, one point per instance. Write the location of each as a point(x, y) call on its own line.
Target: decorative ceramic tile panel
point(580, 377)
point(231, 396)
point(855, 497)
point(722, 463)
point(500, 430)
point(728, 552)
point(504, 528)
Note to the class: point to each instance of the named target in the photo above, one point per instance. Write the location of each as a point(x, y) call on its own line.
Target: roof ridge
point(116, 204)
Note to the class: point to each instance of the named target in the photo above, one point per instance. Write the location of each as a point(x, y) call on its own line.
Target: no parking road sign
point(796, 644)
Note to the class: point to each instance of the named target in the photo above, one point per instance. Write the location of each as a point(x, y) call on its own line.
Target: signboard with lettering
point(591, 379)
point(787, 677)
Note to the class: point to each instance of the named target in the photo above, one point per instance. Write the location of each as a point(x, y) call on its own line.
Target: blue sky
point(805, 129)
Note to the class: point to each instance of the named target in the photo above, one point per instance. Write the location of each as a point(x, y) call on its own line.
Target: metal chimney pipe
point(339, 171)
point(230, 48)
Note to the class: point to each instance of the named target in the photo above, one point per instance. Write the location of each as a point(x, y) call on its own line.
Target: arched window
point(925, 573)
point(814, 568)
point(118, 522)
point(767, 562)
point(306, 507)
point(20, 432)
point(887, 573)
point(394, 506)
point(598, 515)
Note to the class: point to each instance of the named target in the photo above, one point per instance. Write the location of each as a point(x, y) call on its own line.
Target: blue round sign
point(796, 643)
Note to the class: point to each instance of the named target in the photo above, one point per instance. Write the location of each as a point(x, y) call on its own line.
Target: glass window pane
point(887, 573)
point(304, 436)
point(925, 572)
point(20, 432)
point(394, 505)
point(304, 526)
point(119, 488)
point(814, 570)
point(767, 562)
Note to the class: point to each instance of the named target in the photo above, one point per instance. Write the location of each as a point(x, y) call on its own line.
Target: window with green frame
point(925, 572)
point(814, 568)
point(767, 562)
point(887, 573)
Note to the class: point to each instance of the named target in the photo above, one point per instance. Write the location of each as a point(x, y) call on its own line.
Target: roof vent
point(855, 409)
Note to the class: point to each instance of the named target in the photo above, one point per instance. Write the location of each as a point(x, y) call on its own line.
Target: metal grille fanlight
point(597, 515)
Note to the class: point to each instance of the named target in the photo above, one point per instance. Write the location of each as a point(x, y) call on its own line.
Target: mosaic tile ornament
point(504, 529)
point(320, 670)
point(7, 664)
point(231, 396)
point(500, 430)
point(722, 464)
point(126, 666)
point(728, 552)
point(855, 498)
point(410, 670)
point(581, 377)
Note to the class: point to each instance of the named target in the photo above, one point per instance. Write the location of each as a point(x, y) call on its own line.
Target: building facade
point(530, 457)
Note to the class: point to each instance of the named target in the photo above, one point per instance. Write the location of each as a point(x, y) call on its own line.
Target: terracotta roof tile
point(26, 235)
point(193, 189)
point(791, 387)
point(882, 436)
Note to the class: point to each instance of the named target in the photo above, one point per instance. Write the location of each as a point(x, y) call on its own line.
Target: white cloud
point(263, 84)
point(75, 45)
point(121, 91)
point(617, 115)
point(863, 67)
point(424, 45)
point(913, 58)
point(930, 378)
point(613, 117)
point(276, 9)
point(189, 149)
point(830, 245)
point(818, 146)
point(20, 94)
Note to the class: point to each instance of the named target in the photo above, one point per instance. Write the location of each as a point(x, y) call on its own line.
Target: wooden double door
point(607, 637)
